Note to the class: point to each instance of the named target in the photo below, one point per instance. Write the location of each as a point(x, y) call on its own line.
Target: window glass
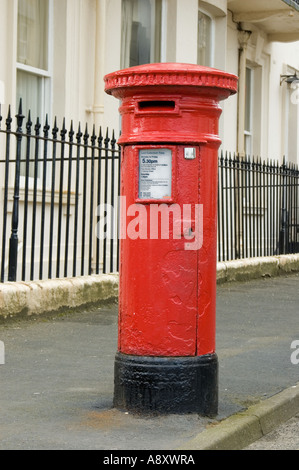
point(33, 33)
point(141, 32)
point(29, 88)
point(204, 49)
point(248, 104)
point(32, 69)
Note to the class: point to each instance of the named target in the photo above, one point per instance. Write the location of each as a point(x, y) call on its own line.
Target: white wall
point(87, 39)
point(230, 107)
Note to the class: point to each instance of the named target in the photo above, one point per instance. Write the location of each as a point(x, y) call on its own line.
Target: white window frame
point(248, 134)
point(212, 38)
point(46, 93)
point(162, 44)
point(45, 75)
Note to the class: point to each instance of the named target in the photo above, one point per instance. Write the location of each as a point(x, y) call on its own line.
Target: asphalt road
point(56, 386)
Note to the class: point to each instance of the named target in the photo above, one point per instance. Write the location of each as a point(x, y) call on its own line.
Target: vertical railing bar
point(34, 204)
point(113, 142)
point(99, 188)
point(242, 208)
point(14, 238)
point(261, 213)
point(287, 205)
point(276, 209)
point(235, 206)
point(280, 210)
point(291, 205)
point(273, 211)
point(284, 205)
point(5, 202)
point(68, 204)
point(296, 208)
point(296, 205)
point(257, 206)
point(266, 169)
point(245, 206)
point(78, 138)
point(249, 205)
point(278, 205)
point(232, 213)
point(222, 208)
point(85, 142)
point(270, 204)
point(63, 133)
point(218, 211)
point(293, 210)
point(290, 219)
point(227, 203)
point(254, 206)
point(118, 205)
point(239, 206)
point(93, 142)
point(53, 178)
point(267, 207)
point(27, 163)
point(44, 183)
point(106, 143)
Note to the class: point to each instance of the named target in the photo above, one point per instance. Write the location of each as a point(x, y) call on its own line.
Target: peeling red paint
point(167, 294)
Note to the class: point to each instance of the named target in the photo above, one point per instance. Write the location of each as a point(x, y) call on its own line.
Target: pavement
point(56, 385)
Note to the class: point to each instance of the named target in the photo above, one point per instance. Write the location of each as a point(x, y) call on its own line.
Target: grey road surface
point(56, 386)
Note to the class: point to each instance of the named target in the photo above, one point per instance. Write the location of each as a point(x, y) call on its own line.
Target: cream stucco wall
point(87, 44)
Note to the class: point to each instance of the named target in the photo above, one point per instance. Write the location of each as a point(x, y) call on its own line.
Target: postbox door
point(159, 273)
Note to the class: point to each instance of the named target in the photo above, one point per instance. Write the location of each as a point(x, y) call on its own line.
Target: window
point(33, 77)
point(141, 32)
point(248, 111)
point(205, 40)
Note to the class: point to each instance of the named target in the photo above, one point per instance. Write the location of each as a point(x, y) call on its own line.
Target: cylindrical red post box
point(166, 360)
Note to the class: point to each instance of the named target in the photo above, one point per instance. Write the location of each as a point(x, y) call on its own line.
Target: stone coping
point(23, 299)
point(254, 268)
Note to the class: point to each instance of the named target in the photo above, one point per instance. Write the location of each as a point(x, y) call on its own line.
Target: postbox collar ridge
point(170, 74)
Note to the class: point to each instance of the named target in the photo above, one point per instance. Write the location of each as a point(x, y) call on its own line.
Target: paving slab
point(56, 386)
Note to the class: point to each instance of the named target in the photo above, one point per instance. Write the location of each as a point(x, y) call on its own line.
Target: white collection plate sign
point(155, 170)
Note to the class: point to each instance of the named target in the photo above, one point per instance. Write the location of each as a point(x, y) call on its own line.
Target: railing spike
point(93, 136)
point(29, 123)
point(86, 134)
point(55, 128)
point(20, 107)
point(79, 134)
point(37, 126)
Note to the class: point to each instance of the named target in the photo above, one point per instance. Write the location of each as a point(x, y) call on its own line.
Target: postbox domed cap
point(170, 74)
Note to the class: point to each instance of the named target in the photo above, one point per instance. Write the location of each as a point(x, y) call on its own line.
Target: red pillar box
point(166, 360)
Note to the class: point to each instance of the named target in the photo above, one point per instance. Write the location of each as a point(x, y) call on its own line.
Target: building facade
point(55, 53)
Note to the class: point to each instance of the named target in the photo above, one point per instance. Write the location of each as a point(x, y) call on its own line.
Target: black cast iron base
point(151, 385)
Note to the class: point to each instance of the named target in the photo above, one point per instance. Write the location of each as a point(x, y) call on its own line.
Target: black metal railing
point(258, 208)
point(60, 197)
point(54, 182)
